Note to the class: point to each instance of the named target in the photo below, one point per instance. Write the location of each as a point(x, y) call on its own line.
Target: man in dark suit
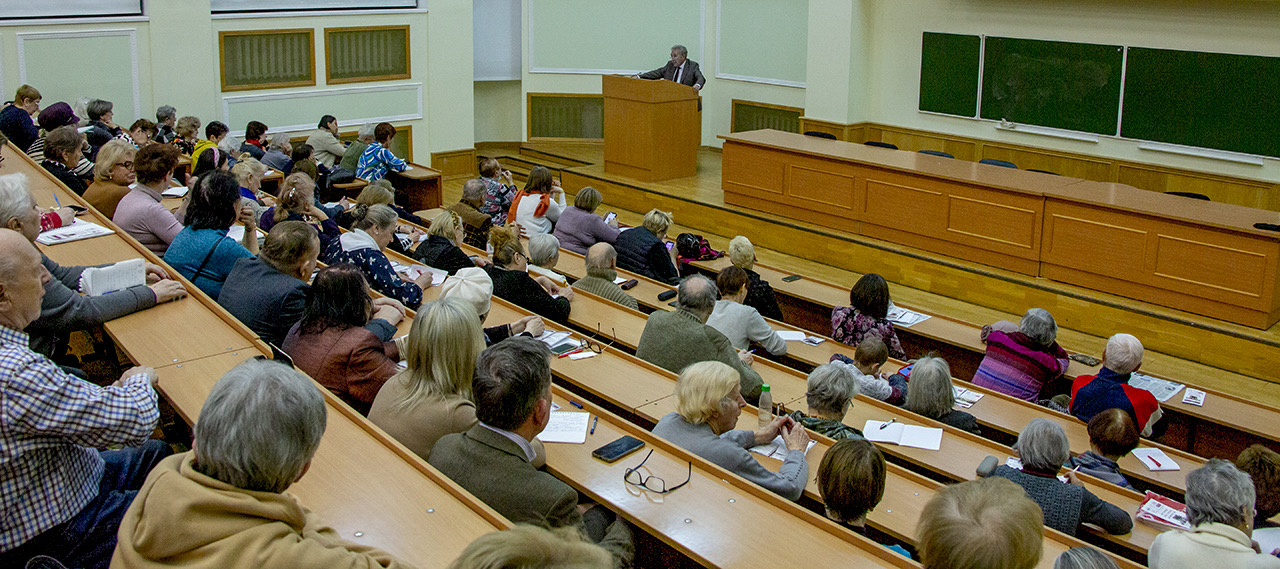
point(494, 459)
point(679, 69)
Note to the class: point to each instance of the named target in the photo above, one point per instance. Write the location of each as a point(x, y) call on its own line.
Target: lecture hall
point(461, 283)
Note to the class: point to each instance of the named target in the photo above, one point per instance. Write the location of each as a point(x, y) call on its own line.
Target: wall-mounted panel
point(70, 8)
point(366, 53)
point(496, 37)
point(267, 59)
point(300, 110)
point(223, 6)
point(744, 51)
point(623, 36)
point(106, 68)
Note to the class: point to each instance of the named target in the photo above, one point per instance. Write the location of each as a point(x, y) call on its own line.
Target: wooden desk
point(1201, 257)
point(403, 512)
point(416, 188)
point(699, 518)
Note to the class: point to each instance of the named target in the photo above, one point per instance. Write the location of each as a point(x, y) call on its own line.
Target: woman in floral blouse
point(497, 192)
point(867, 316)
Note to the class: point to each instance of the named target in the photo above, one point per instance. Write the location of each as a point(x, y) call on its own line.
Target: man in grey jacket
point(674, 340)
point(494, 459)
point(64, 310)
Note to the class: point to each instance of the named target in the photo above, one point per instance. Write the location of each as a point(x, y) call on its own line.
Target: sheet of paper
point(553, 338)
point(1193, 397)
point(883, 432)
point(1155, 459)
point(175, 192)
point(777, 448)
point(965, 398)
point(408, 168)
point(1267, 538)
point(1162, 511)
point(236, 232)
point(1163, 390)
point(813, 340)
point(96, 281)
point(906, 318)
point(332, 205)
point(928, 438)
point(79, 229)
point(582, 355)
point(566, 427)
point(791, 335)
point(619, 280)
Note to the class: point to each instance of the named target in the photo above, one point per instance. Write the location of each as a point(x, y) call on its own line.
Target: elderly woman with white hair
point(223, 504)
point(544, 253)
point(930, 392)
point(1021, 359)
point(1220, 506)
point(1110, 389)
point(760, 295)
point(708, 403)
point(1084, 558)
point(364, 246)
point(641, 250)
point(279, 152)
point(1042, 447)
point(831, 389)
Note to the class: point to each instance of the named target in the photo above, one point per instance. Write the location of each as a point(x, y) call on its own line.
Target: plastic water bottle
point(766, 406)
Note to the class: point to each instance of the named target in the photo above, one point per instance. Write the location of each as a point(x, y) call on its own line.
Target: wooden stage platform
point(1221, 355)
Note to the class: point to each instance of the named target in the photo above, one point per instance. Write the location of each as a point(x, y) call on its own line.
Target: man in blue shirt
point(62, 496)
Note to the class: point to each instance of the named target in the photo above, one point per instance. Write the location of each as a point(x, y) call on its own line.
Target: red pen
point(1153, 459)
point(571, 352)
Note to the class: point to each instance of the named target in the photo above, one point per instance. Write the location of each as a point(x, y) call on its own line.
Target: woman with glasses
point(708, 404)
point(112, 176)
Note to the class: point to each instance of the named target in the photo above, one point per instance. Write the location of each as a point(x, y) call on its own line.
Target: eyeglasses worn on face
point(652, 483)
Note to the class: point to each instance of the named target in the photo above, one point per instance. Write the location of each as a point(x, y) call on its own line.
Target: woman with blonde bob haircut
point(988, 523)
point(443, 247)
point(112, 176)
point(708, 404)
point(249, 172)
point(641, 250)
point(432, 396)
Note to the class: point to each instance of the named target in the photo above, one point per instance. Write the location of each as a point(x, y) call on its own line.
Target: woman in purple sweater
point(1021, 359)
point(579, 227)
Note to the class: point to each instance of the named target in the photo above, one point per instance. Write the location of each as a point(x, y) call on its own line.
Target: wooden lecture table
point(1192, 255)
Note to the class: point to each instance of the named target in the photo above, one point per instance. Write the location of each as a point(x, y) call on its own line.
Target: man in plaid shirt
point(62, 496)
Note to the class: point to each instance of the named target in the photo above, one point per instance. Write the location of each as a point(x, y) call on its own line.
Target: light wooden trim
point(408, 51)
point(528, 112)
point(455, 163)
point(222, 60)
point(733, 110)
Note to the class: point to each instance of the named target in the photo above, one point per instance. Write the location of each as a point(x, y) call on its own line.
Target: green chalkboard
point(949, 74)
point(1072, 86)
point(1209, 100)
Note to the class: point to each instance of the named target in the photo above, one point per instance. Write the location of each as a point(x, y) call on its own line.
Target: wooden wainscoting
point(455, 163)
point(754, 115)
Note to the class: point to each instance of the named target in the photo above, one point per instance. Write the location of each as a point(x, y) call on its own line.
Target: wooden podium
point(652, 129)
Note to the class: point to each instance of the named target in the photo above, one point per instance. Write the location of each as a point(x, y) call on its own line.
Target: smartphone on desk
point(790, 278)
point(610, 217)
point(618, 449)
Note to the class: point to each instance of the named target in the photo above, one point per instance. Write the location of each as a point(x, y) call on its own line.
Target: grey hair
point(166, 112)
point(1039, 325)
point(929, 392)
point(600, 257)
point(473, 191)
point(15, 197)
point(682, 49)
point(280, 141)
point(365, 133)
point(1218, 492)
point(1084, 558)
point(1124, 353)
point(259, 427)
point(229, 145)
point(543, 248)
point(98, 107)
point(380, 216)
point(697, 294)
point(1043, 445)
point(830, 388)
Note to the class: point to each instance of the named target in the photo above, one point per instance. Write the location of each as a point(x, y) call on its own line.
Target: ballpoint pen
point(891, 421)
point(56, 201)
point(576, 404)
point(594, 420)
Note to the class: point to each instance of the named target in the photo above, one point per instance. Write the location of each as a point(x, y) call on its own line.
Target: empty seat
point(1191, 195)
point(817, 134)
point(878, 144)
point(936, 153)
point(1000, 163)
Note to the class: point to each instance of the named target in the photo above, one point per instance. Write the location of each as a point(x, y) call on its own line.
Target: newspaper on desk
point(79, 229)
point(906, 318)
point(1163, 390)
point(965, 398)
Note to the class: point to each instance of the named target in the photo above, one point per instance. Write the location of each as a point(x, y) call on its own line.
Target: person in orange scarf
point(538, 213)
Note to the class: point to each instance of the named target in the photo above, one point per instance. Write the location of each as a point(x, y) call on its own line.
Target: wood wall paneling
point(455, 163)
